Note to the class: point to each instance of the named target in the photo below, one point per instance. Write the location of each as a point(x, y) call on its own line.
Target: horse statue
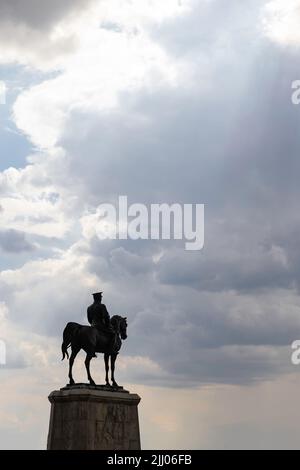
point(92, 341)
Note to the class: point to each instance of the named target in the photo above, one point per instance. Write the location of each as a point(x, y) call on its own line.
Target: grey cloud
point(36, 15)
point(212, 28)
point(204, 149)
point(248, 267)
point(198, 336)
point(14, 358)
point(13, 438)
point(222, 141)
point(26, 31)
point(15, 241)
point(129, 262)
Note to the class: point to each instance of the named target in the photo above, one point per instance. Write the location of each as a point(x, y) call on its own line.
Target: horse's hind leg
point(71, 362)
point(106, 361)
point(87, 366)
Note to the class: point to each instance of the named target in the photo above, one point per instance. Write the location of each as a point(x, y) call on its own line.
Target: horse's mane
point(116, 320)
point(116, 317)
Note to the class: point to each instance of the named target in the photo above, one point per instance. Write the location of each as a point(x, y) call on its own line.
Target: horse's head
point(123, 327)
point(120, 325)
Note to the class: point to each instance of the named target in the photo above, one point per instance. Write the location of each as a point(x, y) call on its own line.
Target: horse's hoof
point(71, 382)
point(92, 383)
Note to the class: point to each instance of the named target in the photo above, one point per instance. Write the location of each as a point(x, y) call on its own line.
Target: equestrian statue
point(105, 336)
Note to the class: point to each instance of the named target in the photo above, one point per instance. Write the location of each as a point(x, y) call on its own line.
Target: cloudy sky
point(184, 101)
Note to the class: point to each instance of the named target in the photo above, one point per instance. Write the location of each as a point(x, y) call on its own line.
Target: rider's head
point(97, 296)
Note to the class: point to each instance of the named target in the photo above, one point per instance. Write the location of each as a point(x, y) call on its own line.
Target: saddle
point(108, 331)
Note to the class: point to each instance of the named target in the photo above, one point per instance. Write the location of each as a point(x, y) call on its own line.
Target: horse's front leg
point(106, 361)
point(87, 366)
point(113, 358)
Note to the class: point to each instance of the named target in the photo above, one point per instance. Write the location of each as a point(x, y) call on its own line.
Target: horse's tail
point(68, 334)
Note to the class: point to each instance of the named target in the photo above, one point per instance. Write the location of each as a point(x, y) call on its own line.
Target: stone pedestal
point(93, 418)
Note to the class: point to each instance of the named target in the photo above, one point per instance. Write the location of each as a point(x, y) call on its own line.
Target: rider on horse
point(104, 336)
point(98, 315)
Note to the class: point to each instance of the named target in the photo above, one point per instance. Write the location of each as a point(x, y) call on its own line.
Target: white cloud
point(163, 117)
point(118, 110)
point(30, 203)
point(41, 295)
point(139, 12)
point(281, 21)
point(106, 64)
point(47, 38)
point(39, 37)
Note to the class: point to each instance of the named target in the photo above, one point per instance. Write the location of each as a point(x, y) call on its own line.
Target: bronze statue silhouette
point(105, 336)
point(98, 315)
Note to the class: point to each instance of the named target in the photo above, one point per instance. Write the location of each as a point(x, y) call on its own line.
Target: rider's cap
point(97, 294)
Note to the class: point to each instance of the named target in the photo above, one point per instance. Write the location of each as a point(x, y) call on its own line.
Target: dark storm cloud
point(203, 315)
point(229, 139)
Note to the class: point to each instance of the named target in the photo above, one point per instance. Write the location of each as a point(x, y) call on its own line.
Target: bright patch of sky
point(15, 147)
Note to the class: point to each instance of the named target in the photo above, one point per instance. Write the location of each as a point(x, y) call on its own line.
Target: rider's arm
point(89, 315)
point(106, 316)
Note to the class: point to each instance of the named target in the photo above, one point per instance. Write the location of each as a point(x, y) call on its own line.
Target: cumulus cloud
point(30, 203)
point(14, 241)
point(281, 21)
point(41, 37)
point(46, 38)
point(35, 17)
point(138, 111)
point(183, 102)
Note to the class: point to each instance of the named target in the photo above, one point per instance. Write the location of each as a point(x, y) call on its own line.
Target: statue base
point(86, 417)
